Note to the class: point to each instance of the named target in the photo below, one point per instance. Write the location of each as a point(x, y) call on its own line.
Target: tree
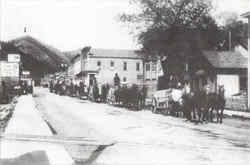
point(239, 33)
point(176, 29)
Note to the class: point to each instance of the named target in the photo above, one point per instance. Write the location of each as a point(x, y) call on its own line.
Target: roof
point(114, 53)
point(105, 53)
point(226, 59)
point(72, 54)
point(246, 15)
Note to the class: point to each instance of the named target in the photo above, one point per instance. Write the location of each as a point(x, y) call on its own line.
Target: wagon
point(165, 99)
point(160, 100)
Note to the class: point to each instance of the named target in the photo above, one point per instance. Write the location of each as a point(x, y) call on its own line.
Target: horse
point(217, 102)
point(111, 96)
point(176, 102)
point(196, 105)
point(189, 106)
point(117, 94)
point(96, 93)
point(141, 98)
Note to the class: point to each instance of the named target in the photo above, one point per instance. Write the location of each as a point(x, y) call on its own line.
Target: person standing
point(117, 80)
point(51, 86)
point(5, 92)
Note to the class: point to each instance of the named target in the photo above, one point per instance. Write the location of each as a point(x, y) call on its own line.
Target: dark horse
point(195, 105)
point(203, 104)
point(217, 102)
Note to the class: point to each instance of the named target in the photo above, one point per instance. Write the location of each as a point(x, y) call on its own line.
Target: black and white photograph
point(124, 82)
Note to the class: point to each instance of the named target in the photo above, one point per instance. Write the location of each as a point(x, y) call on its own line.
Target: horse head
point(221, 91)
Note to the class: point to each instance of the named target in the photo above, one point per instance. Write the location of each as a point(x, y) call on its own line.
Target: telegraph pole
point(1, 20)
point(247, 15)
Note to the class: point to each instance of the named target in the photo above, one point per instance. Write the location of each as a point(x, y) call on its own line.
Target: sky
point(73, 24)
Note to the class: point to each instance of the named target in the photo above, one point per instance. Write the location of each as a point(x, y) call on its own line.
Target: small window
point(137, 66)
point(125, 66)
point(124, 79)
point(112, 64)
point(98, 63)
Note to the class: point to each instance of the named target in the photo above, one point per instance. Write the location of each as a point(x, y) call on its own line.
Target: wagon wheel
point(154, 106)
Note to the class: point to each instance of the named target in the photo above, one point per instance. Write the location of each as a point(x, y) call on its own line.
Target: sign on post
point(13, 58)
point(9, 69)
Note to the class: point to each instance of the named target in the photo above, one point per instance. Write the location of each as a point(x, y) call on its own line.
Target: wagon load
point(161, 99)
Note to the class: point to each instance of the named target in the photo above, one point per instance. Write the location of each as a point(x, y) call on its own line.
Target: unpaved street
point(142, 137)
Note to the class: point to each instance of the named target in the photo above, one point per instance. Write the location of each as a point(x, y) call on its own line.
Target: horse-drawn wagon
point(199, 104)
point(167, 100)
point(160, 100)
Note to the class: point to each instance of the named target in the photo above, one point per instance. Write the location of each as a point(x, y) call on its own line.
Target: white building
point(104, 63)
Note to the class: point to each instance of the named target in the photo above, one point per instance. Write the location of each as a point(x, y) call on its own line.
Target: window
point(153, 71)
point(125, 66)
point(148, 73)
point(124, 79)
point(112, 64)
point(98, 63)
point(137, 66)
point(147, 67)
point(243, 83)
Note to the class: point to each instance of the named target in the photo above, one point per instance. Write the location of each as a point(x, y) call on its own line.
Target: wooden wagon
point(165, 99)
point(160, 100)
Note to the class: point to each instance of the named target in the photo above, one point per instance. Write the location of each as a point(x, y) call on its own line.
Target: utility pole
point(247, 15)
point(1, 21)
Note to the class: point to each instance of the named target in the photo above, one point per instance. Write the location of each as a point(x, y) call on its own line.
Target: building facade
point(227, 68)
point(103, 64)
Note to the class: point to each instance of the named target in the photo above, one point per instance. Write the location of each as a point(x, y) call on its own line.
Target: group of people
point(70, 89)
point(105, 93)
point(94, 92)
point(23, 87)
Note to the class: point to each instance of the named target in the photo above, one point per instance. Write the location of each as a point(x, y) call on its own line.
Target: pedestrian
point(103, 93)
point(57, 86)
point(51, 86)
point(25, 87)
point(117, 80)
point(71, 88)
point(5, 93)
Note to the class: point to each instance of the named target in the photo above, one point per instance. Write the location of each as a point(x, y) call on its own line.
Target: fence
point(237, 104)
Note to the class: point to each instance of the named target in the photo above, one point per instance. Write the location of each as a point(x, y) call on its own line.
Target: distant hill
point(41, 52)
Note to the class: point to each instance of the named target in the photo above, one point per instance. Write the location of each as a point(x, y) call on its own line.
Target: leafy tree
point(239, 33)
point(177, 29)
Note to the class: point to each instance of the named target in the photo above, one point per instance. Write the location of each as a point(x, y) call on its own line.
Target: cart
point(160, 100)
